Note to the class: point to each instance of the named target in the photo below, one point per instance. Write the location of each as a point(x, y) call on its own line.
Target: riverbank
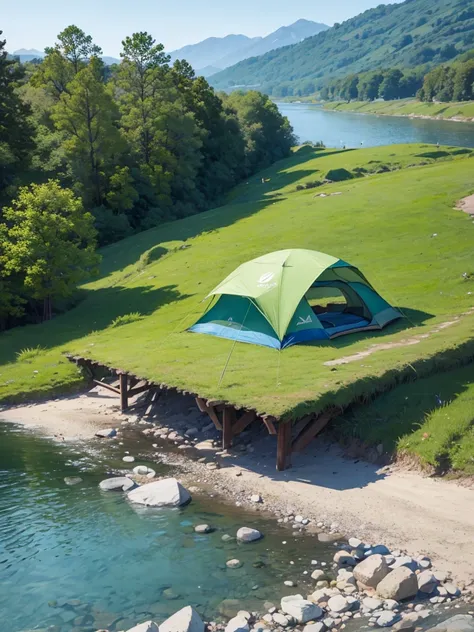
point(411, 108)
point(399, 508)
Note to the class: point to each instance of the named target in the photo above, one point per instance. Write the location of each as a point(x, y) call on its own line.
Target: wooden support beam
point(245, 420)
point(204, 408)
point(123, 391)
point(283, 446)
point(109, 387)
point(301, 424)
point(228, 422)
point(312, 430)
point(139, 389)
point(270, 425)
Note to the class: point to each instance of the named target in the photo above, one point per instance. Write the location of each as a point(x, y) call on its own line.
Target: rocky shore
point(365, 585)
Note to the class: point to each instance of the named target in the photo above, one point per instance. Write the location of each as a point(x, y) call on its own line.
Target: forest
point(447, 82)
point(90, 154)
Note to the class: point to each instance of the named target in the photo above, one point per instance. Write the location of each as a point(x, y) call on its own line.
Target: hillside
point(461, 111)
point(216, 53)
point(398, 225)
point(413, 33)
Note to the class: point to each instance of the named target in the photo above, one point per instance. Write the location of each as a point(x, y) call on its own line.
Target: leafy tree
point(69, 55)
point(16, 131)
point(463, 84)
point(369, 86)
point(49, 241)
point(390, 86)
point(268, 134)
point(87, 115)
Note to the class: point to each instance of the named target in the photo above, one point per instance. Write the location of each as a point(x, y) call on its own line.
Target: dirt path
point(398, 508)
point(467, 205)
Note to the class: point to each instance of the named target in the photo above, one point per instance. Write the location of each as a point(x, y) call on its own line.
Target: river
point(76, 558)
point(336, 129)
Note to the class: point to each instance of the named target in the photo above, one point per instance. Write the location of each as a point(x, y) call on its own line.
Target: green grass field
point(407, 107)
point(398, 227)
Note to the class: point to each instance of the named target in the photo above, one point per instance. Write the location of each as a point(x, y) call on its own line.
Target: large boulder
point(458, 623)
point(237, 624)
point(147, 626)
point(165, 493)
point(371, 571)
point(245, 534)
point(117, 484)
point(399, 584)
point(301, 609)
point(185, 620)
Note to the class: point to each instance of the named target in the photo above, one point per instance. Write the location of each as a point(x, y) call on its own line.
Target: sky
point(175, 23)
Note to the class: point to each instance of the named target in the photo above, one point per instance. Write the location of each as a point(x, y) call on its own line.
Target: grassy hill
point(463, 110)
point(413, 33)
point(397, 224)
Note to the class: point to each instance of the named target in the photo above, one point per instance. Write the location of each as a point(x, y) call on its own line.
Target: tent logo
point(304, 321)
point(267, 277)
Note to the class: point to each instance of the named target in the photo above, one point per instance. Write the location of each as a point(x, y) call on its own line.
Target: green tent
point(293, 296)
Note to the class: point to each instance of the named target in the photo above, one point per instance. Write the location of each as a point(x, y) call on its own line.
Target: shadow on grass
point(403, 410)
point(94, 314)
point(246, 203)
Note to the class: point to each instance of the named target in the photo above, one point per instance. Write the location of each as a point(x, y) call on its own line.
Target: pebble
point(203, 528)
point(387, 619)
point(128, 459)
point(280, 619)
point(256, 498)
point(289, 583)
point(233, 564)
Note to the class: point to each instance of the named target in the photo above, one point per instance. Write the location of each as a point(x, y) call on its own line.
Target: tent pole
point(283, 446)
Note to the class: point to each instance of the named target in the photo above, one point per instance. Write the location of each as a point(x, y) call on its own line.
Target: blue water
point(78, 558)
point(335, 129)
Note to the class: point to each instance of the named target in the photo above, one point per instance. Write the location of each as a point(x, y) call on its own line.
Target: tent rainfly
point(281, 299)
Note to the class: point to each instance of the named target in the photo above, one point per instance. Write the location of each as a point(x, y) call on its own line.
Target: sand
point(399, 508)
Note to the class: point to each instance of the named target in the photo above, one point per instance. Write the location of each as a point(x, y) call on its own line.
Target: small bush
point(313, 184)
point(151, 255)
point(27, 354)
point(126, 319)
point(339, 175)
point(300, 187)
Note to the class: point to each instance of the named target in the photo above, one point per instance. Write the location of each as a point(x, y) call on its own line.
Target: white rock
point(426, 582)
point(355, 543)
point(143, 470)
point(237, 624)
point(400, 584)
point(280, 619)
point(233, 563)
point(452, 590)
point(318, 574)
point(299, 519)
point(390, 604)
point(371, 571)
point(371, 603)
point(314, 627)
point(203, 528)
point(301, 609)
point(106, 433)
point(338, 603)
point(268, 618)
point(387, 619)
point(185, 620)
point(165, 493)
point(289, 583)
point(128, 459)
point(246, 534)
point(256, 498)
point(147, 626)
point(117, 483)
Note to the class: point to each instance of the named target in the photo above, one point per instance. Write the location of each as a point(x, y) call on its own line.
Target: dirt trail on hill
point(393, 506)
point(466, 205)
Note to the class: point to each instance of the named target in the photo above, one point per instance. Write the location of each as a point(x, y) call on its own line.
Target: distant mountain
point(413, 33)
point(28, 54)
point(216, 53)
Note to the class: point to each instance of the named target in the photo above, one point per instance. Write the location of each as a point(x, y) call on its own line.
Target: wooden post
point(283, 446)
point(123, 391)
point(228, 422)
